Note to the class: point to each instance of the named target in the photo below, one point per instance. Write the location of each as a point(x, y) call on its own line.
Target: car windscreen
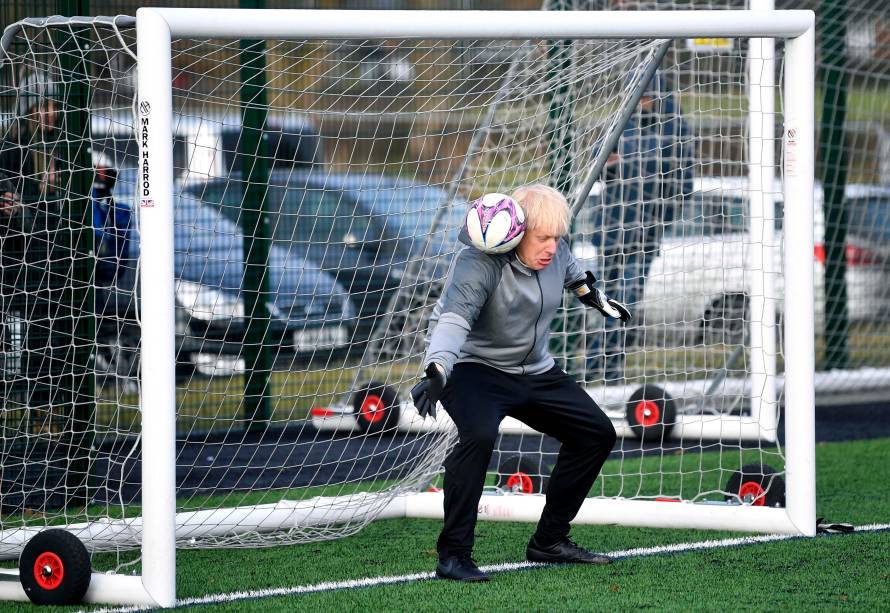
point(297, 214)
point(227, 197)
point(284, 149)
point(314, 216)
point(317, 215)
point(410, 211)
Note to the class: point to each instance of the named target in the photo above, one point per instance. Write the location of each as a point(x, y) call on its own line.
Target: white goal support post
point(225, 230)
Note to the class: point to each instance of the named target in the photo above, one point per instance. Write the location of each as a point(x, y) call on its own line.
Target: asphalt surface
point(852, 422)
point(301, 456)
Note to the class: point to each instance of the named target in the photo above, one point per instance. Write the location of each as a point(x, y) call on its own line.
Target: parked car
point(309, 310)
point(700, 275)
point(364, 229)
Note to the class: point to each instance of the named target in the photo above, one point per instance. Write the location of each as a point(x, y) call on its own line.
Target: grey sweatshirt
point(496, 311)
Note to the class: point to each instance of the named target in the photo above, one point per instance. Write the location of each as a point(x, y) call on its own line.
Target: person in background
point(111, 225)
point(649, 171)
point(29, 144)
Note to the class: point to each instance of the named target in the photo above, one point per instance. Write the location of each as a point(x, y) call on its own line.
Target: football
point(495, 223)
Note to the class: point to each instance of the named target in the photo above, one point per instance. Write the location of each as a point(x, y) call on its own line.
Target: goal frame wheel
point(758, 485)
point(518, 474)
point(651, 413)
point(54, 568)
point(375, 407)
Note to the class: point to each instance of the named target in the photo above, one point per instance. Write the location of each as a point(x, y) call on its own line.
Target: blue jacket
point(655, 167)
point(112, 225)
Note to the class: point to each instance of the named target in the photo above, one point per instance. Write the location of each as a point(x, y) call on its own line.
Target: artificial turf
point(848, 571)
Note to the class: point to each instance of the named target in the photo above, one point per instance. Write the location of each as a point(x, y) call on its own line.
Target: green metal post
point(559, 153)
point(833, 172)
point(76, 237)
point(560, 110)
point(255, 219)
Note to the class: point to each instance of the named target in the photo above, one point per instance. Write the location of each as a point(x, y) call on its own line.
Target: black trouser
point(478, 397)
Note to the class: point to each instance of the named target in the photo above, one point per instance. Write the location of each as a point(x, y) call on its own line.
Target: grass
point(824, 575)
point(862, 104)
point(803, 574)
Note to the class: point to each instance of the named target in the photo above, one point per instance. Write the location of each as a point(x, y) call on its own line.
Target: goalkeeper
point(488, 358)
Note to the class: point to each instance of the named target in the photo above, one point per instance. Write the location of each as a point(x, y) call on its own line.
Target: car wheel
point(651, 413)
point(520, 475)
point(376, 408)
point(54, 568)
point(757, 485)
point(185, 366)
point(725, 321)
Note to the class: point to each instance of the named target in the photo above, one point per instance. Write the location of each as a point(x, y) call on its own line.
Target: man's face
point(537, 248)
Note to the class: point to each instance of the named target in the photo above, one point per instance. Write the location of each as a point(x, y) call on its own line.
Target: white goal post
point(154, 117)
point(157, 26)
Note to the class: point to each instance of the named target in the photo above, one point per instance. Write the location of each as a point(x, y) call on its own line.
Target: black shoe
point(460, 568)
point(565, 551)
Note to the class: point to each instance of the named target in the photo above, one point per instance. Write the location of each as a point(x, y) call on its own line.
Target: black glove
point(428, 391)
point(595, 298)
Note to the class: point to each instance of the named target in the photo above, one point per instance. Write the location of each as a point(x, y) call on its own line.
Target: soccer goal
point(223, 232)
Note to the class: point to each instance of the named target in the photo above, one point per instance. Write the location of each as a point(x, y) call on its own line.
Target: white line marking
point(328, 586)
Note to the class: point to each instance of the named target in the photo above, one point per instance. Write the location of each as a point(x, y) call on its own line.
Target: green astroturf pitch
point(824, 573)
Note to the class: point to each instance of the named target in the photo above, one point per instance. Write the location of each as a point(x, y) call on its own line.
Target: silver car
point(700, 277)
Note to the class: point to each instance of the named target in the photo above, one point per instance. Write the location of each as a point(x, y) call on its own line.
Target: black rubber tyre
point(724, 321)
point(757, 485)
point(651, 413)
point(376, 408)
point(520, 474)
point(54, 568)
point(185, 367)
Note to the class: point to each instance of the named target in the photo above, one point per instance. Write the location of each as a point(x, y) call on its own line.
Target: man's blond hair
point(545, 208)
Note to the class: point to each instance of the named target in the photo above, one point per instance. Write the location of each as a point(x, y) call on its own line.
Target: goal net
point(289, 264)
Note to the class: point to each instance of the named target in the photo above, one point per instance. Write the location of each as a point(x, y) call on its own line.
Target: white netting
point(852, 83)
point(298, 338)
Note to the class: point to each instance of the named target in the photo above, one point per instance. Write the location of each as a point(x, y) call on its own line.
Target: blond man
point(488, 358)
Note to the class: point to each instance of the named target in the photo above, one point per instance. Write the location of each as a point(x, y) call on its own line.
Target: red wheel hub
point(373, 409)
point(647, 412)
point(753, 492)
point(49, 570)
point(520, 481)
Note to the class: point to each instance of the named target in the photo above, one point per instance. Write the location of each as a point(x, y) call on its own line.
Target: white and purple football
point(495, 223)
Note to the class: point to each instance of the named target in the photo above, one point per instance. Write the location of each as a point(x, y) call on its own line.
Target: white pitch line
point(329, 586)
